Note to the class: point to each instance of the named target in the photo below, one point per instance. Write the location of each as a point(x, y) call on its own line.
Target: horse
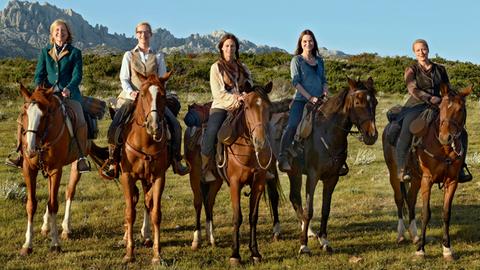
point(204, 193)
point(48, 147)
point(326, 151)
point(145, 157)
point(439, 155)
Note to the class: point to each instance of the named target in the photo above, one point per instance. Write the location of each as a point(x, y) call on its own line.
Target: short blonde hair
point(146, 24)
point(421, 41)
point(55, 24)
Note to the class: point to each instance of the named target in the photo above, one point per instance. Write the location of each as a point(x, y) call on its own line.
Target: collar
point(137, 49)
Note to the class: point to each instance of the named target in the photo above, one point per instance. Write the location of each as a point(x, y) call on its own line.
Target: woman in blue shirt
point(308, 77)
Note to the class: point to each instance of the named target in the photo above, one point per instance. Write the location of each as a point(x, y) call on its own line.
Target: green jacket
point(66, 71)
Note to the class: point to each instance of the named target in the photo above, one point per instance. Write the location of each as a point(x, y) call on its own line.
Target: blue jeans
point(215, 121)
point(296, 113)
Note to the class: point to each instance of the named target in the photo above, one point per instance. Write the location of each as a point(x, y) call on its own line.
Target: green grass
point(362, 225)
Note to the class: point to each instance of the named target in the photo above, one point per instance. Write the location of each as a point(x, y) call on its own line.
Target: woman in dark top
point(423, 79)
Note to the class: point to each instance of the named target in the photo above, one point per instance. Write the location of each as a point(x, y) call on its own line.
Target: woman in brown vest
point(423, 79)
point(142, 59)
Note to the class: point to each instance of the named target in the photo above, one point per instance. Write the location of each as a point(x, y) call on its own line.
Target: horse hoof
point(304, 250)
point(148, 243)
point(276, 237)
point(327, 249)
point(449, 258)
point(55, 249)
point(234, 262)
point(64, 235)
point(415, 240)
point(256, 259)
point(156, 260)
point(128, 259)
point(44, 233)
point(26, 251)
point(195, 245)
point(401, 240)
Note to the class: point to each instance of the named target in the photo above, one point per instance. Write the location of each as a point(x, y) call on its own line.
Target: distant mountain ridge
point(24, 29)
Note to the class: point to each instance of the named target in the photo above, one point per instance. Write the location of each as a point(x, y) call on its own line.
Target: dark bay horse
point(246, 163)
point(204, 193)
point(439, 155)
point(48, 147)
point(326, 151)
point(145, 157)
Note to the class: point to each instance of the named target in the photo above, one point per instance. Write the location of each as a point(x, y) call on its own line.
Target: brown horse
point(45, 141)
point(204, 193)
point(246, 163)
point(440, 155)
point(145, 157)
point(326, 151)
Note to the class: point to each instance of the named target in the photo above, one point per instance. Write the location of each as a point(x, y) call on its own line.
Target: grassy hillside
point(362, 227)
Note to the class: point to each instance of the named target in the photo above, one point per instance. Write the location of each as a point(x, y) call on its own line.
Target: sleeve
point(125, 73)
point(295, 71)
point(41, 70)
point(77, 71)
point(411, 82)
point(219, 94)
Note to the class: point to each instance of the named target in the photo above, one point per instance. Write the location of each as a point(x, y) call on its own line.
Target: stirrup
point(83, 165)
point(109, 170)
point(14, 162)
point(464, 177)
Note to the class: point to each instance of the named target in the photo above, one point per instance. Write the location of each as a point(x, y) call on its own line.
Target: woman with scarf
point(228, 77)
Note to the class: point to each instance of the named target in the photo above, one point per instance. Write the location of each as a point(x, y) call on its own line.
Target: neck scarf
point(235, 76)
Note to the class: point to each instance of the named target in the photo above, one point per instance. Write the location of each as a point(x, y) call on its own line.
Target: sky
point(385, 27)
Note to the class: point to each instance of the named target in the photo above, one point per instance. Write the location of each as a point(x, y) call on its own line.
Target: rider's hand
point(65, 92)
point(313, 99)
point(239, 97)
point(134, 94)
point(435, 100)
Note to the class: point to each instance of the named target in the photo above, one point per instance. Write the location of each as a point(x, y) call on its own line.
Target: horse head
point(452, 114)
point(151, 102)
point(257, 112)
point(360, 105)
point(38, 105)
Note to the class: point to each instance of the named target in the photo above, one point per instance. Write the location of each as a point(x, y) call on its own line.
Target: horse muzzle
point(370, 134)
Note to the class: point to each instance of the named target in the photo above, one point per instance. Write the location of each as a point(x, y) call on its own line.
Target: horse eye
point(259, 102)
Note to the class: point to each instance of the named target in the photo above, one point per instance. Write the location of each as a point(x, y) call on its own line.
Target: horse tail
point(98, 154)
point(274, 195)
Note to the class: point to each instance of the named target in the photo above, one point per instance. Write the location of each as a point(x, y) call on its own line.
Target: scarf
point(234, 74)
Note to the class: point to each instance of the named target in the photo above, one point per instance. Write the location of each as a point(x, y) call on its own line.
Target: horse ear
point(466, 91)
point(444, 89)
point(25, 93)
point(166, 76)
point(369, 83)
point(351, 83)
point(268, 87)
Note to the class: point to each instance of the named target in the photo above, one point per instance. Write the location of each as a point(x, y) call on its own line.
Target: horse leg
point(449, 192)
point(146, 230)
point(274, 199)
point(130, 214)
point(210, 201)
point(69, 196)
point(309, 192)
point(426, 187)
point(53, 186)
point(258, 188)
point(296, 195)
point(195, 185)
point(235, 190)
point(411, 202)
point(398, 197)
point(31, 207)
point(45, 229)
point(156, 216)
point(328, 188)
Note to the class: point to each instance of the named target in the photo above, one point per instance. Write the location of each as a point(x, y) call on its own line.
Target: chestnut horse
point(326, 151)
point(145, 157)
point(204, 193)
point(246, 163)
point(47, 147)
point(439, 155)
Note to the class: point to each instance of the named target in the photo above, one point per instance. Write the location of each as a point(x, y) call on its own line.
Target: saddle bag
point(92, 125)
point(94, 107)
point(232, 127)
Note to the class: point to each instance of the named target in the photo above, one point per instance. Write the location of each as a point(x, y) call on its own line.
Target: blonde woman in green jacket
point(60, 66)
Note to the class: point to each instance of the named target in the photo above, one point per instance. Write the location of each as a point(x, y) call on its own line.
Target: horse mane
point(335, 103)
point(41, 96)
point(261, 93)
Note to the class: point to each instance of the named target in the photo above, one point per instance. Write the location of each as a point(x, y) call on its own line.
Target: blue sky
point(386, 27)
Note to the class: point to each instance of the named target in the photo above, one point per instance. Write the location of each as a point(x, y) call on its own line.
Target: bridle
point(145, 120)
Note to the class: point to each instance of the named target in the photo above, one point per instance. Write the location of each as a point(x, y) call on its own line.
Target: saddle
point(232, 127)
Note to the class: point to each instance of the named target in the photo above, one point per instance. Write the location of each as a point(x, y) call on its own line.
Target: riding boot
point(176, 131)
point(464, 177)
point(16, 159)
point(111, 166)
point(207, 162)
point(286, 141)
point(178, 167)
point(403, 174)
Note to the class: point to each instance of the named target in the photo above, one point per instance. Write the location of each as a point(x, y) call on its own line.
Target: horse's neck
point(335, 126)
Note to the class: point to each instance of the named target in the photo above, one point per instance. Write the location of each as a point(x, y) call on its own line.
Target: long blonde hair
point(56, 23)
